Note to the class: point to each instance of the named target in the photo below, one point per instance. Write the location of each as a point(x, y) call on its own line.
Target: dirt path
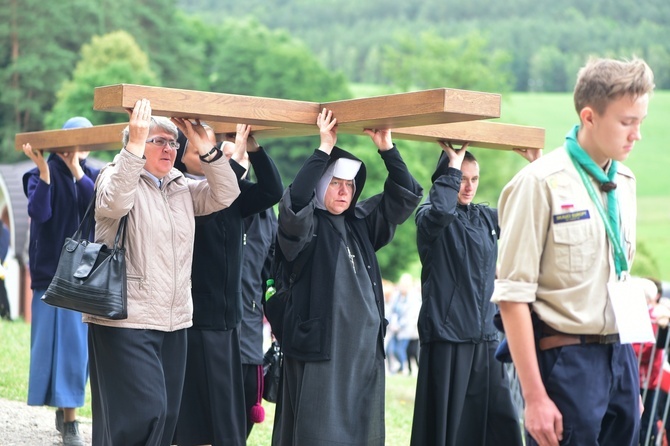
point(23, 425)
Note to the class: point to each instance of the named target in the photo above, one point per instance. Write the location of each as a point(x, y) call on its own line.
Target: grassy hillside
point(555, 112)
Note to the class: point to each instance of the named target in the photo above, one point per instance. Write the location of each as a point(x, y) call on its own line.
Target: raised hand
point(529, 154)
point(138, 126)
point(195, 133)
point(327, 124)
point(37, 156)
point(381, 138)
point(455, 155)
point(71, 160)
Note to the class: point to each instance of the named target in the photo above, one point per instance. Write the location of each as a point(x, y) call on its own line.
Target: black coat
point(261, 231)
point(217, 251)
point(458, 250)
point(372, 223)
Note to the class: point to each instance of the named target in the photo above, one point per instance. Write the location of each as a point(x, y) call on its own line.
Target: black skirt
point(212, 406)
point(463, 397)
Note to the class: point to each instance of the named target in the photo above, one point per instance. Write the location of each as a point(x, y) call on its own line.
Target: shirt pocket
point(575, 247)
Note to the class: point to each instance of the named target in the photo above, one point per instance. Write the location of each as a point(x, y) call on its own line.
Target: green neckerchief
point(583, 163)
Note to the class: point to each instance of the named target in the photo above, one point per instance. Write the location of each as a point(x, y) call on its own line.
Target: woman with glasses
point(137, 365)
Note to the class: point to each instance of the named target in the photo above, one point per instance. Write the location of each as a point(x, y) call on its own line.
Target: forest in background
point(545, 42)
point(53, 55)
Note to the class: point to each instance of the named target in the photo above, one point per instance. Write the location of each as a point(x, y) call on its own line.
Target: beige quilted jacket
point(159, 239)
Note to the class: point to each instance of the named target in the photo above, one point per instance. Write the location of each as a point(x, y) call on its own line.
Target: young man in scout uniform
point(567, 242)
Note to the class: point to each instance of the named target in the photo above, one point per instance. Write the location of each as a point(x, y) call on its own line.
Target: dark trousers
point(412, 354)
point(4, 302)
point(136, 384)
point(212, 405)
point(251, 385)
point(597, 390)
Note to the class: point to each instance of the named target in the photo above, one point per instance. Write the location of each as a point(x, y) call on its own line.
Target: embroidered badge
point(572, 216)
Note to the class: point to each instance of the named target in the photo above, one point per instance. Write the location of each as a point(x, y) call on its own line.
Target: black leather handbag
point(91, 277)
point(272, 369)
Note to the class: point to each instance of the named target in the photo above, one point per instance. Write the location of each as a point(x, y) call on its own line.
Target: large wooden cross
point(429, 115)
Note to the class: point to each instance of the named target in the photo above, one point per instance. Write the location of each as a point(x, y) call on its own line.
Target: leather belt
point(551, 338)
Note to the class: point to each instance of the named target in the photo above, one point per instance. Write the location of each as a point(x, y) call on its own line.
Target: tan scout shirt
point(554, 250)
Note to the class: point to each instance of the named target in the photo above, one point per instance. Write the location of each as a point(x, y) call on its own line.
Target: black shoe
point(71, 436)
point(59, 420)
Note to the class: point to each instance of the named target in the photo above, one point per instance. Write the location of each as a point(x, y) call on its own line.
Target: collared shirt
point(157, 181)
point(554, 252)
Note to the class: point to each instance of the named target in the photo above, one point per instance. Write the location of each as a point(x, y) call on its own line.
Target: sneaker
point(59, 420)
point(71, 436)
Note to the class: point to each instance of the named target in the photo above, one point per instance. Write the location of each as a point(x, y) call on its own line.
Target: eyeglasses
point(162, 142)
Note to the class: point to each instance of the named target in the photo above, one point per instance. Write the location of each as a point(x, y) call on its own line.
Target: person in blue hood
point(59, 189)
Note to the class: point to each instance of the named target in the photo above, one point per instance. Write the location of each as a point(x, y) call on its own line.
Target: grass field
point(15, 356)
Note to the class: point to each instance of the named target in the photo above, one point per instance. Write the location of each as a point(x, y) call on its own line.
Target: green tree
point(461, 62)
point(41, 45)
point(658, 58)
point(111, 59)
point(38, 46)
point(548, 70)
point(244, 57)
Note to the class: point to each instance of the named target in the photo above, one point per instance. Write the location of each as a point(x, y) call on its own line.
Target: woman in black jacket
point(213, 408)
point(462, 394)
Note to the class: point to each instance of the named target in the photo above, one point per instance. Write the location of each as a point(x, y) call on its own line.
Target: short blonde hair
point(602, 81)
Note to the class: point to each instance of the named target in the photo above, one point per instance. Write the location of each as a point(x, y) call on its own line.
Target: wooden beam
point(489, 135)
point(390, 111)
point(438, 106)
point(222, 129)
point(100, 137)
point(483, 134)
point(429, 115)
point(210, 107)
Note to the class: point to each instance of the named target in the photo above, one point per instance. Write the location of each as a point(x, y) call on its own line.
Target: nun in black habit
point(333, 376)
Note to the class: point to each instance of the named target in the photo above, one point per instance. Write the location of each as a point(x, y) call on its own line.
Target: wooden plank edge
point(435, 102)
point(209, 107)
point(424, 107)
point(100, 137)
point(482, 134)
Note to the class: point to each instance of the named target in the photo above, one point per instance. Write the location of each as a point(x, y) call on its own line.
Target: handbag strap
point(121, 233)
point(87, 222)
